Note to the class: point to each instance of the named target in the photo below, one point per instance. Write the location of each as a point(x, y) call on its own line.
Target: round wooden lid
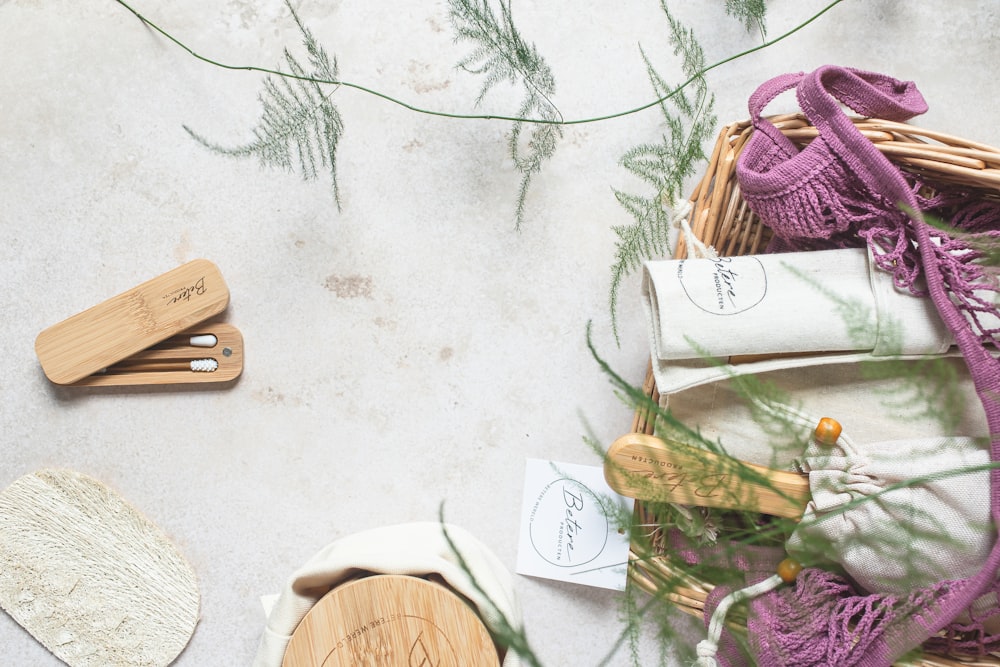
point(391, 621)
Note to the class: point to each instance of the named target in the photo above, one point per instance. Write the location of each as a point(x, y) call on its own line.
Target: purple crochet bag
point(842, 191)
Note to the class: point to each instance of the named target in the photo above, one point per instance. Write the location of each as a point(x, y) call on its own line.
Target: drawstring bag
point(840, 191)
point(892, 532)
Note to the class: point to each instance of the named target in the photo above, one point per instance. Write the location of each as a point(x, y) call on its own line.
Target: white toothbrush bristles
point(204, 365)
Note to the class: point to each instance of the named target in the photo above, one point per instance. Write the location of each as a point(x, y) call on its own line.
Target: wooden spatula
point(645, 467)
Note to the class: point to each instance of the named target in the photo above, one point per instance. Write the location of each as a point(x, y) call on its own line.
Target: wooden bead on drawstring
point(788, 569)
point(827, 431)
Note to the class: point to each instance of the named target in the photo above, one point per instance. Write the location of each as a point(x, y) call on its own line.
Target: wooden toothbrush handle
point(647, 468)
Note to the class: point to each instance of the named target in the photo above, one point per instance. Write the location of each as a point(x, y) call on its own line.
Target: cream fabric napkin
point(414, 549)
point(876, 410)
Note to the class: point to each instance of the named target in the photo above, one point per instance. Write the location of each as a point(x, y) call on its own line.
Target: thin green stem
point(513, 638)
point(445, 114)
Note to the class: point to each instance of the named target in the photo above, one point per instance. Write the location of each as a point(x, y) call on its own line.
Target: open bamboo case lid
point(391, 620)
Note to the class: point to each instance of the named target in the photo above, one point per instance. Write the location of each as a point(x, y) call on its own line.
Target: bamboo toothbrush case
point(146, 334)
point(391, 621)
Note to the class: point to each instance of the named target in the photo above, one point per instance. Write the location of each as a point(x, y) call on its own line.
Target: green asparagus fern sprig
point(751, 12)
point(300, 127)
point(689, 121)
point(470, 116)
point(501, 54)
point(543, 142)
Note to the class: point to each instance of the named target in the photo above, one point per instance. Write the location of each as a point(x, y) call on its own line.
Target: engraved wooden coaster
point(391, 621)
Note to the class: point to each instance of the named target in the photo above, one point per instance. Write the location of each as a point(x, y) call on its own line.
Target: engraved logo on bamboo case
point(186, 292)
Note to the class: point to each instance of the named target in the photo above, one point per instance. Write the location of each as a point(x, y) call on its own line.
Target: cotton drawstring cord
point(709, 647)
point(696, 248)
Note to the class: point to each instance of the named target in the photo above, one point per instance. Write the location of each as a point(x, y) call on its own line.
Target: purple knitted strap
point(763, 96)
point(769, 90)
point(868, 94)
point(841, 187)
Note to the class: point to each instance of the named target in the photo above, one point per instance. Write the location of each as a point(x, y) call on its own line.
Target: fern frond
point(501, 55)
point(689, 121)
point(751, 12)
point(300, 128)
point(649, 238)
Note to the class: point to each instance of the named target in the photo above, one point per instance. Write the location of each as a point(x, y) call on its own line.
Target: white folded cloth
point(702, 311)
point(923, 398)
point(412, 549)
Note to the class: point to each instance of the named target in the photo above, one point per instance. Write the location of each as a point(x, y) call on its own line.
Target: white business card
point(568, 526)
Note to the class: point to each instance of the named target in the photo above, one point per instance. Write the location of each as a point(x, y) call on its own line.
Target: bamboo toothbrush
point(207, 365)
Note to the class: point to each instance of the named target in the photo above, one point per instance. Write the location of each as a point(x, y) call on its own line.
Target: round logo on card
point(568, 526)
point(723, 286)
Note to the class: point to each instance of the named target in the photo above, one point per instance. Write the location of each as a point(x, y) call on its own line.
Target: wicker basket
point(719, 217)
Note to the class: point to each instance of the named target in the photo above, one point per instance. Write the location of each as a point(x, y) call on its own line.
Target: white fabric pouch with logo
point(829, 306)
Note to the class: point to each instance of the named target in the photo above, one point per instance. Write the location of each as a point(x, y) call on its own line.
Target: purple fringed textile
point(841, 191)
point(823, 621)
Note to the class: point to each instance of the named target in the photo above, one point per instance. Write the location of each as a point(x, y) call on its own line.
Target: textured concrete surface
point(407, 352)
